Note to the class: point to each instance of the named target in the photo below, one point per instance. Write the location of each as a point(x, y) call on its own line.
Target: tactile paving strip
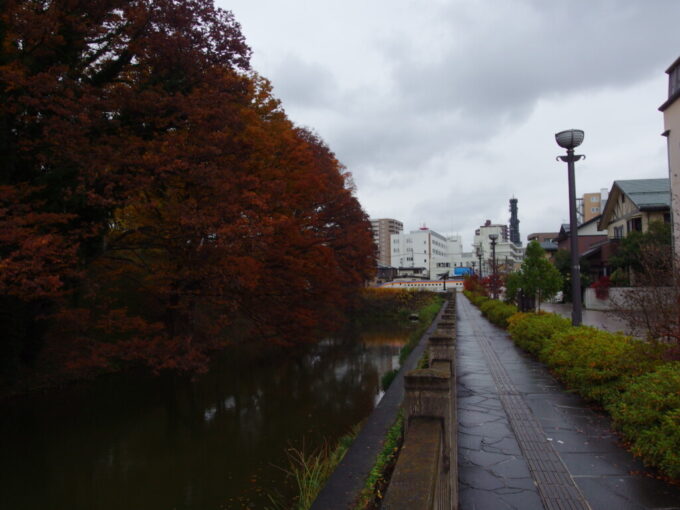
point(556, 487)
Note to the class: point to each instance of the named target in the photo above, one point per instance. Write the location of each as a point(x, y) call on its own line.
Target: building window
point(618, 232)
point(594, 199)
point(635, 225)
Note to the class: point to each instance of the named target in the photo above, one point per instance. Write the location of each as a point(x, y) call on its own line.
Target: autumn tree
point(154, 193)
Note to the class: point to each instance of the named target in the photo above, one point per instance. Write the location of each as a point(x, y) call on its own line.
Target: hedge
point(626, 376)
point(498, 312)
point(598, 364)
point(531, 330)
point(648, 415)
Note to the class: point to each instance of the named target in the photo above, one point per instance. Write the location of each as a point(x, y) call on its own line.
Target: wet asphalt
point(527, 443)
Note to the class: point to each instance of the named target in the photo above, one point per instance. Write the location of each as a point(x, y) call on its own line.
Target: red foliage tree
point(154, 192)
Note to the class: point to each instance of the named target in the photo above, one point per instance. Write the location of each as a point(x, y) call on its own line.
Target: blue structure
point(462, 271)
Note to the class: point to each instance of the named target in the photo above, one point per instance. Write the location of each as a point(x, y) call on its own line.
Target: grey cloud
point(301, 83)
point(501, 67)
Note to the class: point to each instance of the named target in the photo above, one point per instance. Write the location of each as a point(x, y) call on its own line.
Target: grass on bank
point(637, 382)
point(310, 470)
point(378, 478)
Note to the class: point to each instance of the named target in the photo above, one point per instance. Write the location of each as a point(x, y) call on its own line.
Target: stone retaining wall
point(426, 474)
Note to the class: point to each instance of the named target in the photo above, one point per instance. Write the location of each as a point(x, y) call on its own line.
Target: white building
point(508, 254)
point(427, 253)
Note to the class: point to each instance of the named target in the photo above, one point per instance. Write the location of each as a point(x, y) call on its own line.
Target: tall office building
point(383, 228)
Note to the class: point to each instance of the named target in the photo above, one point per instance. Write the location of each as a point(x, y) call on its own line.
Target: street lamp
point(494, 238)
point(480, 251)
point(570, 139)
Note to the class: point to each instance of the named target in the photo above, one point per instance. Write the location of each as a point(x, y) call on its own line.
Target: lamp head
point(569, 139)
point(493, 237)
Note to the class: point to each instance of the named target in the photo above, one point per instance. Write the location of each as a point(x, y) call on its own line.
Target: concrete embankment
point(344, 486)
point(426, 474)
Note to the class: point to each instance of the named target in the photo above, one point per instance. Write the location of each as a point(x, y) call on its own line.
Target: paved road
point(525, 443)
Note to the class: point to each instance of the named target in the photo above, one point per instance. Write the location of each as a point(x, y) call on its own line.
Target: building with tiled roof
point(633, 204)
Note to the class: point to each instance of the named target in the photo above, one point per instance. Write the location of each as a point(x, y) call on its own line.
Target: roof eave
point(670, 101)
point(654, 207)
point(673, 65)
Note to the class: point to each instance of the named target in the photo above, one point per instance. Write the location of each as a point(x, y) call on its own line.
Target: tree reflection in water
point(215, 442)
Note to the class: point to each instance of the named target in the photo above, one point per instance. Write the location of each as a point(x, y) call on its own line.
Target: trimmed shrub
point(596, 363)
point(648, 415)
point(530, 331)
point(498, 312)
point(475, 298)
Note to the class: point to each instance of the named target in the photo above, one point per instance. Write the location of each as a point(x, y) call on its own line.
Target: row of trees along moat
point(155, 200)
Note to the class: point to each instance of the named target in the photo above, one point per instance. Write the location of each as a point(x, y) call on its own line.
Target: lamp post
point(494, 238)
point(570, 139)
point(480, 252)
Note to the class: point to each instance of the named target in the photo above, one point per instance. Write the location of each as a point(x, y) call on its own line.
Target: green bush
point(648, 415)
point(476, 298)
point(530, 331)
point(498, 312)
point(596, 363)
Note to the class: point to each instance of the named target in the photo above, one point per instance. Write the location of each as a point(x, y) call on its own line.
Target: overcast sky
point(442, 110)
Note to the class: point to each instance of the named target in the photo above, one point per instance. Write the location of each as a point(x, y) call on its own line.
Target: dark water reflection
point(129, 443)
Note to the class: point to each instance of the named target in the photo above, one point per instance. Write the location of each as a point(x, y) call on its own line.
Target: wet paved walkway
point(524, 443)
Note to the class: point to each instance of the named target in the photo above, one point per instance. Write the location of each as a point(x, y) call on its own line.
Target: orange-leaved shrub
point(598, 364)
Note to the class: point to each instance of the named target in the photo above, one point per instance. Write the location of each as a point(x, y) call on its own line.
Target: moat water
point(219, 441)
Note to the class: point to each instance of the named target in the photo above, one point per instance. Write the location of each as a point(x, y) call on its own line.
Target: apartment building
point(383, 228)
point(592, 205)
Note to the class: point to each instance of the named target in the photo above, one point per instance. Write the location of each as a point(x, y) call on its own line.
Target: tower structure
point(514, 223)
